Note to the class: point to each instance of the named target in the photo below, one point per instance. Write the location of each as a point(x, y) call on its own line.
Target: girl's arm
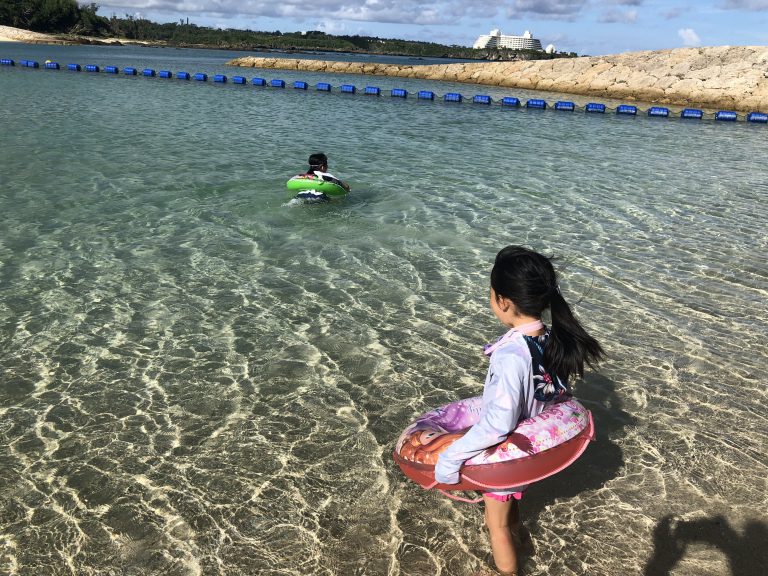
point(501, 409)
point(331, 178)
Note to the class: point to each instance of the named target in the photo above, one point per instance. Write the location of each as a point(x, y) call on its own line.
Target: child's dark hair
point(318, 160)
point(529, 280)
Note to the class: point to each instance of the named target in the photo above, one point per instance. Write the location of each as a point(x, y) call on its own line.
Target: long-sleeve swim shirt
point(328, 177)
point(508, 397)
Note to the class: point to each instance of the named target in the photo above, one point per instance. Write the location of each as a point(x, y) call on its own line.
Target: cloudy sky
point(593, 27)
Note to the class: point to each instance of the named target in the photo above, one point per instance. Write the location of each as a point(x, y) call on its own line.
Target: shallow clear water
point(199, 377)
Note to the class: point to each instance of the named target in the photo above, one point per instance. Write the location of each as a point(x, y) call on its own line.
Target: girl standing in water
point(529, 370)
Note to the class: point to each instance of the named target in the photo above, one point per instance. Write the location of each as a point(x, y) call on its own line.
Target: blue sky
point(593, 27)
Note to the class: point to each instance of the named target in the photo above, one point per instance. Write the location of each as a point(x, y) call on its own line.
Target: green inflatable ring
point(306, 183)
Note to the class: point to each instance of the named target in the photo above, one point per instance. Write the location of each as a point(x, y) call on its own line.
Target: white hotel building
point(498, 40)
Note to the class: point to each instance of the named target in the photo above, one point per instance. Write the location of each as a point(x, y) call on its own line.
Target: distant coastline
point(726, 77)
point(189, 36)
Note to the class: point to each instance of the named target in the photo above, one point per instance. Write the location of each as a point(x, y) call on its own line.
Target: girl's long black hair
point(529, 280)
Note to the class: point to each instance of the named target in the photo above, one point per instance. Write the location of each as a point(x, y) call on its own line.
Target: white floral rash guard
point(514, 381)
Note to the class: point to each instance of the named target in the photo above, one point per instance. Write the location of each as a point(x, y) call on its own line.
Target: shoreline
point(11, 34)
point(726, 77)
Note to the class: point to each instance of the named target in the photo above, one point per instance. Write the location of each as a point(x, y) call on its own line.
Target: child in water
point(529, 370)
point(318, 169)
point(318, 166)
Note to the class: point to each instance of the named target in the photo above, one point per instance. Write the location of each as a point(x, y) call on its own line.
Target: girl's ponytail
point(529, 280)
point(569, 345)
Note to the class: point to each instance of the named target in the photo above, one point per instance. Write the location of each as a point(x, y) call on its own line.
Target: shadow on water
point(601, 461)
point(747, 553)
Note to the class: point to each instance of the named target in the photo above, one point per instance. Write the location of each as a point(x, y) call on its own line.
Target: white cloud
point(614, 16)
point(755, 5)
point(689, 37)
point(673, 13)
point(549, 9)
point(422, 12)
point(384, 11)
point(330, 26)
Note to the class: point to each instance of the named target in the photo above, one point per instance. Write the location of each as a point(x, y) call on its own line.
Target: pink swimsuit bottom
point(504, 496)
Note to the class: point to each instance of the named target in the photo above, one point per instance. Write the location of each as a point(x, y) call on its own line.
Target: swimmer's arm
point(500, 412)
point(331, 178)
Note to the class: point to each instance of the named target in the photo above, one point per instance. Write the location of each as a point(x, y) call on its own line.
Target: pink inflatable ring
point(539, 447)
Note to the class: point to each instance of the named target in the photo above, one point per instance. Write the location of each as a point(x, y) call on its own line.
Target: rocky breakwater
point(726, 77)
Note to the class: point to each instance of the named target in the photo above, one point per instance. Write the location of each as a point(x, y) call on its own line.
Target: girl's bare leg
point(503, 520)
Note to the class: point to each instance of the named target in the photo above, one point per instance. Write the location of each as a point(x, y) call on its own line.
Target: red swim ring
point(538, 447)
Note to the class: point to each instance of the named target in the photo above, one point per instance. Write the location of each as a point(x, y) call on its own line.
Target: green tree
point(89, 23)
point(8, 12)
point(53, 15)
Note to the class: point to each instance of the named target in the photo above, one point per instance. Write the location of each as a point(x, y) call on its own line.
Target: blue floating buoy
point(323, 87)
point(759, 117)
point(398, 93)
point(426, 95)
point(129, 71)
point(627, 109)
point(111, 69)
point(537, 103)
point(348, 88)
point(201, 77)
point(453, 97)
point(220, 78)
point(165, 74)
point(659, 111)
point(259, 82)
point(149, 72)
point(91, 68)
point(31, 63)
point(74, 67)
point(565, 106)
point(183, 75)
point(726, 116)
point(510, 101)
point(275, 83)
point(238, 79)
point(7, 62)
point(481, 99)
point(300, 85)
point(373, 90)
point(52, 65)
point(595, 107)
point(692, 113)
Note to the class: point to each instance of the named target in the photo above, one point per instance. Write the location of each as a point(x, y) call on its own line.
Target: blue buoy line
point(451, 97)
